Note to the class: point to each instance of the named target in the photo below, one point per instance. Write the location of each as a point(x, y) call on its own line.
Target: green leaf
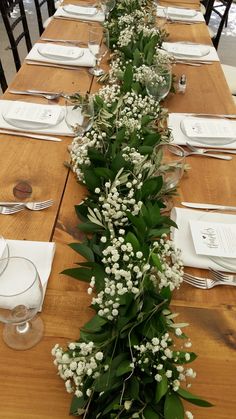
point(151, 187)
point(156, 261)
point(131, 238)
point(124, 368)
point(77, 403)
point(145, 149)
point(161, 389)
point(192, 398)
point(79, 273)
point(173, 407)
point(149, 413)
point(127, 78)
point(95, 324)
point(134, 387)
point(91, 180)
point(89, 227)
point(104, 172)
point(83, 250)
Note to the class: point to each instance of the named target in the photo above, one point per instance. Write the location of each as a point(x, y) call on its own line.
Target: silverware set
point(216, 278)
point(8, 208)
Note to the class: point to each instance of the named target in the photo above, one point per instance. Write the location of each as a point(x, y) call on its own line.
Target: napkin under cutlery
point(79, 12)
point(174, 123)
point(192, 51)
point(40, 253)
point(85, 60)
point(183, 239)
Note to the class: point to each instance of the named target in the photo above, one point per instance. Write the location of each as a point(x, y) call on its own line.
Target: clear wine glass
point(158, 81)
point(98, 46)
point(171, 160)
point(80, 114)
point(107, 6)
point(21, 296)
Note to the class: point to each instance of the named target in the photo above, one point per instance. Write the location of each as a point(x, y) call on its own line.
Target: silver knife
point(64, 41)
point(208, 206)
point(29, 135)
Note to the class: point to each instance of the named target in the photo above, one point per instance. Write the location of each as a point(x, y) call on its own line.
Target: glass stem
point(22, 328)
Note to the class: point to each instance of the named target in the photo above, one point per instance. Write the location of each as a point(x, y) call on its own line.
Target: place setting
point(32, 120)
point(180, 15)
point(190, 52)
point(25, 268)
point(199, 130)
point(96, 13)
point(207, 239)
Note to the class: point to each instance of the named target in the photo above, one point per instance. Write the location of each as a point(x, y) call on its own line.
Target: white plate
point(4, 254)
point(29, 125)
point(54, 56)
point(204, 51)
point(223, 262)
point(206, 140)
point(79, 10)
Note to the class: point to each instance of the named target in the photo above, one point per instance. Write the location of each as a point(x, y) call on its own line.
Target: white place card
point(183, 49)
point(35, 113)
point(80, 10)
point(175, 11)
point(214, 239)
point(208, 128)
point(60, 51)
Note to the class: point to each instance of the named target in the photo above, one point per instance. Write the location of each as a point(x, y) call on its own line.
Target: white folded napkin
point(80, 13)
point(180, 138)
point(183, 239)
point(193, 52)
point(86, 60)
point(41, 254)
point(179, 14)
point(58, 129)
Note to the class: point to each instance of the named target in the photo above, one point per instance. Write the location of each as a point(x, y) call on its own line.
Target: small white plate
point(57, 52)
point(80, 10)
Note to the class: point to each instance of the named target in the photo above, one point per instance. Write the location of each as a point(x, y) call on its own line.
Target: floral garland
point(126, 363)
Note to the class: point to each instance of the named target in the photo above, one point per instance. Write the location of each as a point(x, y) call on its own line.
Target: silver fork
point(34, 206)
point(205, 150)
point(220, 276)
point(11, 210)
point(204, 283)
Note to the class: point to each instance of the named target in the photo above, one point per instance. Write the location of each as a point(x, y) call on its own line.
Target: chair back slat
point(3, 82)
point(210, 8)
point(51, 11)
point(6, 8)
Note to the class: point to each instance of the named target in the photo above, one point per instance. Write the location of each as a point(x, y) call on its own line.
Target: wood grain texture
point(29, 385)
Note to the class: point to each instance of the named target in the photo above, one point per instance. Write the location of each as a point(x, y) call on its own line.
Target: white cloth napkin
point(40, 253)
point(181, 139)
point(75, 13)
point(183, 239)
point(161, 12)
point(211, 56)
point(60, 129)
point(87, 59)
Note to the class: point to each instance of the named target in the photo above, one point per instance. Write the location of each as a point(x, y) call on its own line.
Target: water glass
point(80, 114)
point(21, 296)
point(98, 45)
point(158, 81)
point(107, 6)
point(171, 160)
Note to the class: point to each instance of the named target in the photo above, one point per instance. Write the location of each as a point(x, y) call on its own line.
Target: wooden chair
point(51, 10)
point(6, 8)
point(3, 82)
point(223, 18)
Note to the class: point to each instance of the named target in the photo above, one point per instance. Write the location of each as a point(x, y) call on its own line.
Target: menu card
point(208, 128)
point(181, 12)
point(60, 51)
point(80, 10)
point(35, 113)
point(214, 239)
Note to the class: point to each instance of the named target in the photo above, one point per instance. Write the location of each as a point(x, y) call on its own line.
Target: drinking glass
point(80, 114)
point(171, 160)
point(158, 81)
point(107, 6)
point(98, 47)
point(21, 296)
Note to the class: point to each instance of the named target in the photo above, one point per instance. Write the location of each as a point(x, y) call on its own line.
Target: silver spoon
point(46, 95)
point(205, 150)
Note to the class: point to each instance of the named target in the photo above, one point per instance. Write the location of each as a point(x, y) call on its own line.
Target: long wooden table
point(29, 385)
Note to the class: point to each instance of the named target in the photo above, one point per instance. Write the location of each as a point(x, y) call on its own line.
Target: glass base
point(96, 71)
point(24, 336)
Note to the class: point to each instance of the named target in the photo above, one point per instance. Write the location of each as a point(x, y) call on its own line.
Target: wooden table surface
point(29, 385)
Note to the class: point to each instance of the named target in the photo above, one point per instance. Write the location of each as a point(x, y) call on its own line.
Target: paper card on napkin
point(208, 128)
point(40, 253)
point(182, 49)
point(214, 239)
point(35, 113)
point(175, 11)
point(80, 10)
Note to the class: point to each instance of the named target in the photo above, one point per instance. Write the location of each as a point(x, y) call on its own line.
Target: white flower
point(99, 356)
point(189, 415)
